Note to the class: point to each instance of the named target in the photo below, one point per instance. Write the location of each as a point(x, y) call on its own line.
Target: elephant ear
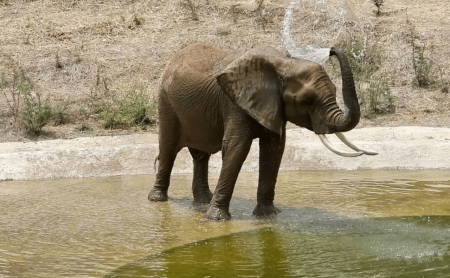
point(252, 82)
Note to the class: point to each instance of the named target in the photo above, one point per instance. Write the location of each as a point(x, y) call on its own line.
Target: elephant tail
point(156, 161)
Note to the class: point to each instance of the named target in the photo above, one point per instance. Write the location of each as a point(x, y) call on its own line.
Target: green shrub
point(60, 116)
point(111, 118)
point(132, 109)
point(376, 99)
point(136, 109)
point(35, 114)
point(365, 61)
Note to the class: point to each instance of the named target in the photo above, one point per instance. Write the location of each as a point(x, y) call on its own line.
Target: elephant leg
point(271, 150)
point(162, 182)
point(234, 152)
point(169, 146)
point(200, 188)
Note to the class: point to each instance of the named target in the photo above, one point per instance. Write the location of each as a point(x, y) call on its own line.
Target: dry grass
point(65, 45)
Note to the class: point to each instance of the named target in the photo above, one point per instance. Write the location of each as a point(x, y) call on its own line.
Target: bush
point(25, 107)
point(14, 85)
point(59, 114)
point(364, 60)
point(83, 127)
point(111, 118)
point(379, 4)
point(422, 65)
point(35, 114)
point(376, 99)
point(133, 109)
point(136, 108)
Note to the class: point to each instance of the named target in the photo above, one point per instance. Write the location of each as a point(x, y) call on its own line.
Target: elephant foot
point(203, 197)
point(217, 214)
point(158, 195)
point(264, 211)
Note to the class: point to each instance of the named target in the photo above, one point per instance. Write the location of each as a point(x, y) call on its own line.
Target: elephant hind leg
point(200, 187)
point(162, 182)
point(169, 146)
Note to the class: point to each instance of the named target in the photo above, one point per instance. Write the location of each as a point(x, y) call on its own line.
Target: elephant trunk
point(342, 121)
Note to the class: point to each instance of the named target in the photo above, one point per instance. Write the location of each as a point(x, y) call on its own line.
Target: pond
point(333, 224)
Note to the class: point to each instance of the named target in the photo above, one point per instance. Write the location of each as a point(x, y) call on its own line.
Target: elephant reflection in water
point(213, 100)
point(260, 253)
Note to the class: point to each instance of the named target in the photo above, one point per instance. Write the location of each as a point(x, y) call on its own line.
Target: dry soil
point(67, 47)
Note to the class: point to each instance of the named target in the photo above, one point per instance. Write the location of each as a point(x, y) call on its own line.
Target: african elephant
point(212, 99)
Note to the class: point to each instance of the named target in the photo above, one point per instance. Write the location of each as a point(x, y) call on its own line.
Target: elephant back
point(191, 65)
point(221, 65)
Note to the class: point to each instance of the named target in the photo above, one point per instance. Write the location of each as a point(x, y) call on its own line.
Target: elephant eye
point(307, 99)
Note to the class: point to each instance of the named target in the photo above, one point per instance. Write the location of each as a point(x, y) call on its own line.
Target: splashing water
point(323, 16)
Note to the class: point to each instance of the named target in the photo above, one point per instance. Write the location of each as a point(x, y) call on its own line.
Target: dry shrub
point(26, 106)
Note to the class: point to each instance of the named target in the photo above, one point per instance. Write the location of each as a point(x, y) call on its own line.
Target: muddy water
point(333, 224)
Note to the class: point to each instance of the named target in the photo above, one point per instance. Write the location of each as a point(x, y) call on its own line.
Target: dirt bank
point(406, 148)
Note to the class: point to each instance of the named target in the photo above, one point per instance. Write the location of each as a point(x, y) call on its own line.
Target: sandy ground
point(399, 148)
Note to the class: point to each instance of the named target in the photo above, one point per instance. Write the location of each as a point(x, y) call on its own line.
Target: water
point(333, 224)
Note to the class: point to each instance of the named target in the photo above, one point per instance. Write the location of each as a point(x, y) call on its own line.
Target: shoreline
point(399, 148)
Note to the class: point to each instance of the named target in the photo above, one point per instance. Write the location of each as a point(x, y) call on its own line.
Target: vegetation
point(191, 7)
point(14, 85)
point(136, 109)
point(421, 63)
point(35, 114)
point(25, 106)
point(97, 66)
point(83, 127)
point(372, 87)
point(32, 113)
point(376, 98)
point(133, 109)
point(379, 4)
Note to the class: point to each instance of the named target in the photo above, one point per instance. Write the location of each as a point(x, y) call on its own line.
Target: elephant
point(212, 99)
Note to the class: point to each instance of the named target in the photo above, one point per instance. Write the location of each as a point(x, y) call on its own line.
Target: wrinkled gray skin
point(214, 100)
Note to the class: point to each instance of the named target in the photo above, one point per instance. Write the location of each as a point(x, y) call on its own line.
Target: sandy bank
point(408, 148)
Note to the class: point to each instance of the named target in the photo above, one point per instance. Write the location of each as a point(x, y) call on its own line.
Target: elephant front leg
point(234, 153)
point(271, 150)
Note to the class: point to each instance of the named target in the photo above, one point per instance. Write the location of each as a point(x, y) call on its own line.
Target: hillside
point(85, 57)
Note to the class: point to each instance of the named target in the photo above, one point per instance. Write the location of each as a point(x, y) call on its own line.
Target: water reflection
point(274, 252)
point(89, 227)
point(255, 254)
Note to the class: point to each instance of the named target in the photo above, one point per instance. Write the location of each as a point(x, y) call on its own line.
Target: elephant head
point(273, 89)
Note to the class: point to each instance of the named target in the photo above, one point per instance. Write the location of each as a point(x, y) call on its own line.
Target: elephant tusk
point(332, 148)
point(341, 136)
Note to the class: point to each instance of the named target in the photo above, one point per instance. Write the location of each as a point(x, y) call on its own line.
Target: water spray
point(319, 55)
point(309, 52)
